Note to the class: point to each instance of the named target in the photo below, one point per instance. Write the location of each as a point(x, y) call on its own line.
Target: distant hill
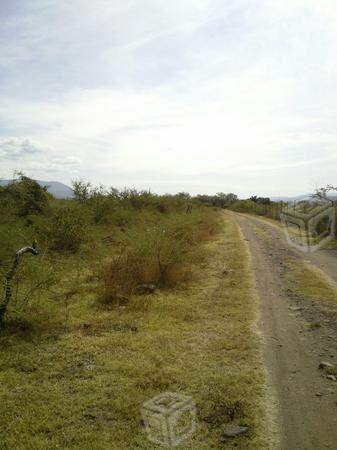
point(299, 198)
point(57, 189)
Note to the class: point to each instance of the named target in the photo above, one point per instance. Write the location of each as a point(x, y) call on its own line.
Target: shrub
point(11, 237)
point(195, 227)
point(100, 209)
point(161, 254)
point(149, 257)
point(35, 277)
point(244, 206)
point(27, 196)
point(122, 217)
point(66, 229)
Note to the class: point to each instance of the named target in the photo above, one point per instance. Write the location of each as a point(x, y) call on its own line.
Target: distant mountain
point(299, 198)
point(57, 189)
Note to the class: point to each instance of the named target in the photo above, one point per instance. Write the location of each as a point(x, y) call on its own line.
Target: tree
point(322, 193)
point(27, 196)
point(82, 190)
point(225, 200)
point(260, 200)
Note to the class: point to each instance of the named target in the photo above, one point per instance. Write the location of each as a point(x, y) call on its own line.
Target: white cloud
point(13, 148)
point(195, 91)
point(68, 161)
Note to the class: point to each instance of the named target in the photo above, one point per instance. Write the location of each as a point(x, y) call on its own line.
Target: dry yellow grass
point(310, 282)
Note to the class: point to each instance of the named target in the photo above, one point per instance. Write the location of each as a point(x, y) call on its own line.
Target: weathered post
point(9, 277)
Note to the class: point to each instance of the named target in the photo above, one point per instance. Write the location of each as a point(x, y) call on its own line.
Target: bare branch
point(10, 275)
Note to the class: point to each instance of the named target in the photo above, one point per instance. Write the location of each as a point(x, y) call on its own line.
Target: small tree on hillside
point(82, 190)
point(28, 196)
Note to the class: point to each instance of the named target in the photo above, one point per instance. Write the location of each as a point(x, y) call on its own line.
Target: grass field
point(80, 382)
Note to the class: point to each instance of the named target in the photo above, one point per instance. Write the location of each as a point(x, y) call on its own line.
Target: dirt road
point(307, 400)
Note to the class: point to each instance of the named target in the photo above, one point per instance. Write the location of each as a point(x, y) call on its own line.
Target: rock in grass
point(325, 365)
point(144, 289)
point(331, 377)
point(232, 431)
point(295, 308)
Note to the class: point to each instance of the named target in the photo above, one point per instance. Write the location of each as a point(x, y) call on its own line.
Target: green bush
point(244, 206)
point(35, 277)
point(25, 196)
point(122, 217)
point(66, 228)
point(13, 236)
point(101, 209)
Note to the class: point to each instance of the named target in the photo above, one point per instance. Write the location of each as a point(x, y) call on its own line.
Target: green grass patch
point(75, 375)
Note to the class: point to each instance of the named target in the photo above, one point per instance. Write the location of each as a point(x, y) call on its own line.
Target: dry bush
point(178, 273)
point(196, 227)
point(127, 271)
point(119, 279)
point(162, 254)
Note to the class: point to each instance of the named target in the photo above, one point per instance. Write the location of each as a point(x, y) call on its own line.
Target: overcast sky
point(180, 95)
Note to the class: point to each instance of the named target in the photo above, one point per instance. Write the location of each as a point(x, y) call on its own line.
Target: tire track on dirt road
point(307, 408)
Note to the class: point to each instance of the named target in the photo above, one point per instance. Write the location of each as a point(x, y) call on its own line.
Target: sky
point(202, 96)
